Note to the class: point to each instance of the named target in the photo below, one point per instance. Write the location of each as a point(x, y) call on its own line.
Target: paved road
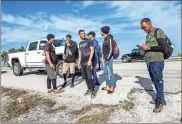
point(127, 76)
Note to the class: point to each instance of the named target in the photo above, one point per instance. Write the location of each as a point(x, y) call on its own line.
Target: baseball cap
point(91, 33)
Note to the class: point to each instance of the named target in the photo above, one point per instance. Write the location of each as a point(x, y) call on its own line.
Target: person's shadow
point(147, 85)
point(102, 78)
point(78, 79)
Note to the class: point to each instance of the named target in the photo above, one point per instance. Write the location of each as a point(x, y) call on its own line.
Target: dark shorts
point(51, 73)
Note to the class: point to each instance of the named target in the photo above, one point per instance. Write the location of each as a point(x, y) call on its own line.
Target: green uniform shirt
point(151, 40)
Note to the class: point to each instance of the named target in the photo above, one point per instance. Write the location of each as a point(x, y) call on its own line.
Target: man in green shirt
point(154, 47)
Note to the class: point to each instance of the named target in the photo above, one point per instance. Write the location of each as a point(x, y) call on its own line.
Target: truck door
point(135, 54)
point(34, 56)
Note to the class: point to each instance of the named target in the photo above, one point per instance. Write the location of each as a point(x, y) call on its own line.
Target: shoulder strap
point(155, 32)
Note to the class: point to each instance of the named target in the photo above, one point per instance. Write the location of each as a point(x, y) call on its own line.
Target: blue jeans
point(109, 75)
point(156, 74)
point(95, 78)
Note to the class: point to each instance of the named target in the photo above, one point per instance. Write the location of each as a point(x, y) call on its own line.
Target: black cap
point(91, 33)
point(68, 36)
point(105, 29)
point(50, 36)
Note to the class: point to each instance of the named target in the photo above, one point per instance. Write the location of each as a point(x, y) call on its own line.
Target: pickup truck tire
point(17, 69)
point(59, 69)
point(125, 60)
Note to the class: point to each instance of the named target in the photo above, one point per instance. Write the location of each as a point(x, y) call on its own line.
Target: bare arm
point(79, 58)
point(48, 57)
point(91, 53)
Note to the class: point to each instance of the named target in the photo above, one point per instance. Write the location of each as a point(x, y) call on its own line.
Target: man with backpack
point(107, 50)
point(70, 56)
point(86, 50)
point(91, 36)
point(157, 48)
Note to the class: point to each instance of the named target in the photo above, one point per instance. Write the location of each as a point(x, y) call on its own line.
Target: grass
point(60, 108)
point(13, 93)
point(22, 102)
point(89, 108)
point(127, 105)
point(97, 118)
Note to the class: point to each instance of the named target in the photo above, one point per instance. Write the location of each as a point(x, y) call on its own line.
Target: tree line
point(4, 54)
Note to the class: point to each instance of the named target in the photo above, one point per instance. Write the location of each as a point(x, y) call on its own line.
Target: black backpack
point(168, 50)
point(77, 52)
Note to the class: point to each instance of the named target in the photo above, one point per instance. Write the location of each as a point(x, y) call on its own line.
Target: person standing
point(50, 63)
point(91, 36)
point(154, 57)
point(70, 54)
point(86, 50)
point(107, 49)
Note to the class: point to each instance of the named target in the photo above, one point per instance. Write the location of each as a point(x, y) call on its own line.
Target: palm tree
point(179, 55)
point(4, 56)
point(12, 50)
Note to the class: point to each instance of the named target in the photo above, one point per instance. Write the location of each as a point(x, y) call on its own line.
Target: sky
point(25, 21)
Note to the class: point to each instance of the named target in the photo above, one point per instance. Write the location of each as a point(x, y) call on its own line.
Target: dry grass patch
point(89, 108)
point(127, 105)
point(22, 102)
point(97, 118)
point(13, 93)
point(60, 108)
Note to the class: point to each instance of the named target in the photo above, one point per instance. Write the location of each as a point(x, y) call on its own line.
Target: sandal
point(49, 91)
point(58, 91)
point(104, 88)
point(110, 92)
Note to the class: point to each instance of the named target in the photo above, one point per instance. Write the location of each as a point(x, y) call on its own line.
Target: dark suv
point(136, 54)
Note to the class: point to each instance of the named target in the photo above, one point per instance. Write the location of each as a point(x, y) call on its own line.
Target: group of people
point(89, 58)
point(87, 55)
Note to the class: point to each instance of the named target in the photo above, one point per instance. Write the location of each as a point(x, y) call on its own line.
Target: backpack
point(168, 48)
point(115, 51)
point(77, 53)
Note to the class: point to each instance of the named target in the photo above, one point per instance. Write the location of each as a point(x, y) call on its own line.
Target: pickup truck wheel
point(17, 69)
point(59, 69)
point(125, 60)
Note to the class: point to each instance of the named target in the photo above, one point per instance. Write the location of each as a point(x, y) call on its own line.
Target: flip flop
point(104, 88)
point(58, 91)
point(110, 92)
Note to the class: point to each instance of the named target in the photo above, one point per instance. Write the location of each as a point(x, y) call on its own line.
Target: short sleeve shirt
point(52, 53)
point(84, 47)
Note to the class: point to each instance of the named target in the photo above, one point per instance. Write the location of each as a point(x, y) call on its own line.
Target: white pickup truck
point(34, 56)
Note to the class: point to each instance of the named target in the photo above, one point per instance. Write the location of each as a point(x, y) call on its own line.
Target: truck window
point(58, 43)
point(135, 51)
point(33, 46)
point(42, 44)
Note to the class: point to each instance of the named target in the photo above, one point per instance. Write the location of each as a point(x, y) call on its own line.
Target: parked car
point(34, 57)
point(136, 54)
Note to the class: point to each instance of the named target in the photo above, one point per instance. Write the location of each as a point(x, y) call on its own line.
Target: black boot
point(154, 102)
point(65, 80)
point(93, 94)
point(73, 79)
point(87, 92)
point(158, 107)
